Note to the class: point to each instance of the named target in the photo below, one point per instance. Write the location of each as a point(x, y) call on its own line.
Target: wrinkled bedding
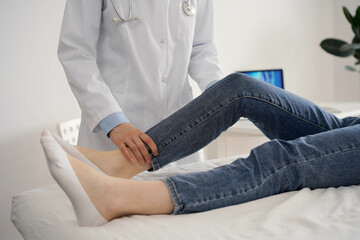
point(333, 213)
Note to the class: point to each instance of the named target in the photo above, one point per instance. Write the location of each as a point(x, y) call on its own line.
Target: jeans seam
point(294, 115)
point(274, 173)
point(174, 195)
point(236, 99)
point(155, 163)
point(276, 104)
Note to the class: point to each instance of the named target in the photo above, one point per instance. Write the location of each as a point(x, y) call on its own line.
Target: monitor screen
point(272, 76)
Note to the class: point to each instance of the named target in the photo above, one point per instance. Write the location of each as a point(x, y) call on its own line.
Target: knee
point(240, 81)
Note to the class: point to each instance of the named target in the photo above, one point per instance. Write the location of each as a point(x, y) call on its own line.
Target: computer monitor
point(272, 76)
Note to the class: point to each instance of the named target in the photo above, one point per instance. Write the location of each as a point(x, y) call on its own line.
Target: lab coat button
point(162, 41)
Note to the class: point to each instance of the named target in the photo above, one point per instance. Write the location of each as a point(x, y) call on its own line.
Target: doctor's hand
point(129, 138)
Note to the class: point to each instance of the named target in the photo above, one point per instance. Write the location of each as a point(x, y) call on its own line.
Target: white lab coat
point(140, 68)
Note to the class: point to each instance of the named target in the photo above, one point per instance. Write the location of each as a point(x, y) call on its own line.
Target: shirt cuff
point(111, 121)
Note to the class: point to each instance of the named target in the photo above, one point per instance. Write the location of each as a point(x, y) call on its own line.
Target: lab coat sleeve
point(112, 121)
point(204, 66)
point(77, 52)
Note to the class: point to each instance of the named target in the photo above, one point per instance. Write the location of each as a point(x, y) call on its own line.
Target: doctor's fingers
point(150, 143)
point(126, 152)
point(144, 152)
point(135, 149)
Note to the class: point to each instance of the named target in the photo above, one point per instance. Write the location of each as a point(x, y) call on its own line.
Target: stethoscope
point(187, 6)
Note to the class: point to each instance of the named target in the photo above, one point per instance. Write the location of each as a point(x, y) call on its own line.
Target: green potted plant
point(341, 48)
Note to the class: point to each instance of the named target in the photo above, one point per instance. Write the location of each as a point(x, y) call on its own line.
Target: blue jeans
point(309, 147)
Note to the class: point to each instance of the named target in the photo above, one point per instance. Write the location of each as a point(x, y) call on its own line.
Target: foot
point(116, 197)
point(95, 197)
point(71, 150)
point(104, 192)
point(113, 163)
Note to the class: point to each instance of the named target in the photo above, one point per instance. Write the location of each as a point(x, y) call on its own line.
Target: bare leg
point(113, 163)
point(98, 198)
point(116, 197)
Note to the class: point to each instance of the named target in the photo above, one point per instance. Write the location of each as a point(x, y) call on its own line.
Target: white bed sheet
point(333, 213)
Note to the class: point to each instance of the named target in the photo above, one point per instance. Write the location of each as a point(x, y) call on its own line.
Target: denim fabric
point(309, 147)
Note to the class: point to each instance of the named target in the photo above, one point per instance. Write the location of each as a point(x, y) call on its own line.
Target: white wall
point(279, 34)
point(34, 94)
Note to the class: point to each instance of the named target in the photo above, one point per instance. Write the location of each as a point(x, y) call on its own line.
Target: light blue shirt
point(112, 121)
point(117, 118)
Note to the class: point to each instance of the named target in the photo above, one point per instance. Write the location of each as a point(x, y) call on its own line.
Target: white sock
point(71, 150)
point(63, 173)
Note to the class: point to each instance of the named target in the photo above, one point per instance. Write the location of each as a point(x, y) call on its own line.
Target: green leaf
point(356, 40)
point(349, 48)
point(350, 68)
point(357, 55)
point(347, 51)
point(357, 52)
point(348, 16)
point(333, 46)
point(356, 31)
point(355, 46)
point(357, 17)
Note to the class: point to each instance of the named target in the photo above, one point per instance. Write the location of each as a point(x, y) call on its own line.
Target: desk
point(243, 135)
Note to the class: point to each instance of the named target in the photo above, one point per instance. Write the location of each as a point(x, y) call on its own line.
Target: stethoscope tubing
point(118, 13)
point(130, 19)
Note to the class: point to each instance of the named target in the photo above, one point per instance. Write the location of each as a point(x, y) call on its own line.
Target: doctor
point(127, 63)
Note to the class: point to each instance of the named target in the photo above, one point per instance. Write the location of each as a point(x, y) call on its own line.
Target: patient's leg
point(329, 159)
point(98, 198)
point(116, 197)
point(112, 163)
point(277, 113)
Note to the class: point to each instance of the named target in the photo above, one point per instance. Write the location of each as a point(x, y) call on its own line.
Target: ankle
point(119, 166)
point(113, 163)
point(116, 198)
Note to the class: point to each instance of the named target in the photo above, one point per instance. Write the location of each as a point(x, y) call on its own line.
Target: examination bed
point(333, 213)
